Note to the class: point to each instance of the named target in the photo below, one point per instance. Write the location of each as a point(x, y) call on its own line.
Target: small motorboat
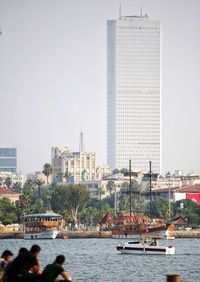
point(145, 247)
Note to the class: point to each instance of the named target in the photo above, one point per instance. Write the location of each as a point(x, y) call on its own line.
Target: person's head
point(60, 259)
point(35, 250)
point(7, 255)
point(23, 251)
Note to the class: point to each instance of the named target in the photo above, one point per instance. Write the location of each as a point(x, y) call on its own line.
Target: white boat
point(141, 247)
point(41, 226)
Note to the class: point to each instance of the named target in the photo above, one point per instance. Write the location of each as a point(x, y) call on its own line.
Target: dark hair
point(23, 251)
point(35, 249)
point(7, 253)
point(60, 259)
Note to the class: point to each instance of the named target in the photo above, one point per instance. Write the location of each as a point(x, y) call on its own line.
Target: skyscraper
point(8, 159)
point(134, 92)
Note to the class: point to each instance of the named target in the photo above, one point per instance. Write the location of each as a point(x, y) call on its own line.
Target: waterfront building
point(8, 159)
point(134, 93)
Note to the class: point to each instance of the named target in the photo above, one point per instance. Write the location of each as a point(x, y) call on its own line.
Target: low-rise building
point(7, 193)
point(39, 175)
point(15, 177)
point(191, 192)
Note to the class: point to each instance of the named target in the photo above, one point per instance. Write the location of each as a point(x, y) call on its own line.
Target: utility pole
point(150, 175)
point(130, 186)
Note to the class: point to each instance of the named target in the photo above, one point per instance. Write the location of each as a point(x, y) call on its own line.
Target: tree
point(8, 182)
point(84, 175)
point(116, 171)
point(17, 187)
point(67, 176)
point(47, 170)
point(76, 198)
point(124, 170)
point(59, 177)
point(110, 186)
point(7, 210)
point(39, 183)
point(160, 208)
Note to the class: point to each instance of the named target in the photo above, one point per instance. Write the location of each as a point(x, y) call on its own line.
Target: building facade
point(81, 166)
point(8, 159)
point(15, 177)
point(134, 93)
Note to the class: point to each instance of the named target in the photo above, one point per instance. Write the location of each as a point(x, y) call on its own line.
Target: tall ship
point(128, 225)
point(131, 226)
point(41, 225)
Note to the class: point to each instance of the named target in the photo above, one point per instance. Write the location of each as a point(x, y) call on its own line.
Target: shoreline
point(99, 234)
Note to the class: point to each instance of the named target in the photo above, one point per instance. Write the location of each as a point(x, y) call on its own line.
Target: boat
point(169, 232)
point(131, 226)
point(141, 247)
point(41, 225)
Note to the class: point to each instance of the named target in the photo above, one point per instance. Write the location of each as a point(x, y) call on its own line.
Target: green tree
point(59, 177)
point(67, 176)
point(110, 186)
point(116, 171)
point(17, 187)
point(7, 210)
point(47, 170)
point(8, 182)
point(84, 175)
point(124, 170)
point(39, 183)
point(76, 198)
point(160, 208)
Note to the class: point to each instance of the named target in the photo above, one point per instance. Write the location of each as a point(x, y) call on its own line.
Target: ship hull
point(47, 234)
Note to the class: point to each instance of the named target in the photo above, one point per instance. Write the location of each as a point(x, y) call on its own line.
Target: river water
point(97, 260)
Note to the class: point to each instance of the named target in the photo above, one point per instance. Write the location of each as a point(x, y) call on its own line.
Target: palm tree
point(47, 170)
point(8, 182)
point(67, 176)
point(39, 183)
point(59, 177)
point(110, 186)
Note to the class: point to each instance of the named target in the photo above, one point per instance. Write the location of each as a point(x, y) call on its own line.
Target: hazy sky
point(53, 77)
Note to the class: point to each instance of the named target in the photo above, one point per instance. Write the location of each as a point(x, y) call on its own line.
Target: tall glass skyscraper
point(8, 159)
point(134, 93)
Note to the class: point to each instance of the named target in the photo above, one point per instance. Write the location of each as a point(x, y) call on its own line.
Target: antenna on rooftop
point(120, 10)
point(81, 141)
point(141, 12)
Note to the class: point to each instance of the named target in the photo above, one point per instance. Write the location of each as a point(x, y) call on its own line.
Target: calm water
point(98, 260)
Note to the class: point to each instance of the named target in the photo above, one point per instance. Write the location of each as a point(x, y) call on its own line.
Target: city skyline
point(134, 93)
point(53, 77)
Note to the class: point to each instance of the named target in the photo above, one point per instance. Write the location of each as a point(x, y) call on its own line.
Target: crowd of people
point(26, 267)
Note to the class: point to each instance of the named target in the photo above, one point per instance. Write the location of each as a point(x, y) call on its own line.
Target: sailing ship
point(130, 225)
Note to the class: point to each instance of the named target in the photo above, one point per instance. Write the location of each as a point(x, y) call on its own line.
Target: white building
point(134, 93)
point(79, 165)
point(15, 177)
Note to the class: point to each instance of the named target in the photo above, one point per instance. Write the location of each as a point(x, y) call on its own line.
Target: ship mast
point(150, 175)
point(130, 196)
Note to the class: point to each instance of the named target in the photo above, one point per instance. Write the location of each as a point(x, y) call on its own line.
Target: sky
point(53, 77)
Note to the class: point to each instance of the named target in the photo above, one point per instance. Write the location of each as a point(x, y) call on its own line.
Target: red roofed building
point(191, 192)
point(7, 193)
